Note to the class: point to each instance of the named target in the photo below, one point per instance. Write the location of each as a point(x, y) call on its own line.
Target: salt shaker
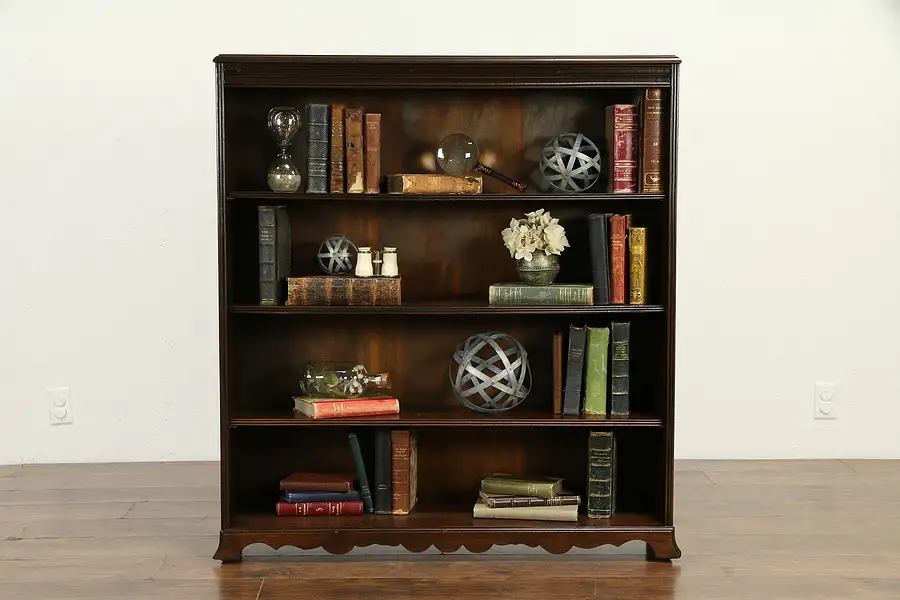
point(389, 266)
point(364, 262)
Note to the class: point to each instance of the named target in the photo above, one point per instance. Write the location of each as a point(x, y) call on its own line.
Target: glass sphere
point(457, 154)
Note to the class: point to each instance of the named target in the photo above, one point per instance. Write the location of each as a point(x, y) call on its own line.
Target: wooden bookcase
point(450, 252)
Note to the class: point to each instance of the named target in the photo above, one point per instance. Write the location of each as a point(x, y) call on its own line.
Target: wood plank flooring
point(748, 529)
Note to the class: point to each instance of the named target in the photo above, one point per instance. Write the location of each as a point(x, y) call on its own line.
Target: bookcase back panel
point(510, 126)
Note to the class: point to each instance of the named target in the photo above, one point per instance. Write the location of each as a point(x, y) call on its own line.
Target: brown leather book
point(337, 290)
point(404, 462)
point(337, 149)
point(353, 148)
point(621, 137)
point(637, 247)
point(303, 481)
point(651, 144)
point(557, 372)
point(432, 183)
point(618, 225)
point(373, 153)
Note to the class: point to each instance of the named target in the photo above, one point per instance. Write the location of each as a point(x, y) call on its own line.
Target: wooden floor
point(772, 530)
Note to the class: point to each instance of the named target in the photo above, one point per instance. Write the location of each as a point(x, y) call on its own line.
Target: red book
point(622, 137)
point(329, 409)
point(309, 509)
point(301, 481)
point(618, 225)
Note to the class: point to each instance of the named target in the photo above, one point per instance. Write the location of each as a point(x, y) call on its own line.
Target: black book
point(601, 492)
point(598, 236)
point(574, 371)
point(620, 403)
point(317, 174)
point(274, 227)
point(383, 495)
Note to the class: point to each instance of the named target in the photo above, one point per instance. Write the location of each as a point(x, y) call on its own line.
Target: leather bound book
point(595, 371)
point(317, 172)
point(637, 248)
point(288, 496)
point(357, 407)
point(354, 156)
point(364, 490)
point(620, 404)
point(564, 498)
point(565, 512)
point(555, 294)
point(338, 290)
point(274, 230)
point(574, 371)
point(598, 239)
point(557, 372)
point(337, 149)
point(433, 183)
point(651, 142)
point(404, 471)
point(302, 481)
point(373, 153)
point(315, 509)
point(382, 496)
point(522, 485)
point(618, 226)
point(601, 492)
point(621, 138)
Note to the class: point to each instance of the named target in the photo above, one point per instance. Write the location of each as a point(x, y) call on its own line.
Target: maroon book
point(310, 509)
point(618, 224)
point(301, 481)
point(621, 135)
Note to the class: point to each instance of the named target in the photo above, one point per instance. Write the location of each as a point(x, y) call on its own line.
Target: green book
point(555, 294)
point(538, 487)
point(595, 371)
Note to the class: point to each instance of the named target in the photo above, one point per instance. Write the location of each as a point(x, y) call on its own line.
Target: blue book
point(319, 496)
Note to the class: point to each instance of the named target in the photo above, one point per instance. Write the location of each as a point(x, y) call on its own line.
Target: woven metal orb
point(337, 255)
point(490, 373)
point(570, 162)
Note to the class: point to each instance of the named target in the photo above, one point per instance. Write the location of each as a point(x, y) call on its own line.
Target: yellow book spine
point(637, 246)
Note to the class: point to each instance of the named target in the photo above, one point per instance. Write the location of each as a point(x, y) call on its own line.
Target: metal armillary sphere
point(337, 255)
point(490, 372)
point(570, 162)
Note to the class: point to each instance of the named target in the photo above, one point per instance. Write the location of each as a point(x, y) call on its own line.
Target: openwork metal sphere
point(490, 373)
point(570, 162)
point(337, 255)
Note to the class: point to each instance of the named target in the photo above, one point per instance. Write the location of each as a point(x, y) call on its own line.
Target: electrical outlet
point(60, 406)
point(825, 401)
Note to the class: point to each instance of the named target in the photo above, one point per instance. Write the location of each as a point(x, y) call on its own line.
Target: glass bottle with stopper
point(283, 123)
point(458, 155)
point(340, 379)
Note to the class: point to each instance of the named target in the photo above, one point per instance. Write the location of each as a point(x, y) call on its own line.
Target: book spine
point(373, 152)
point(337, 149)
point(344, 291)
point(351, 408)
point(354, 167)
point(428, 183)
point(637, 248)
point(364, 490)
point(317, 148)
point(595, 377)
point(651, 146)
point(598, 240)
point(523, 501)
point(557, 373)
point(618, 225)
point(540, 295)
point(274, 252)
point(601, 475)
point(574, 371)
point(309, 509)
point(621, 127)
point(535, 513)
point(400, 472)
point(382, 494)
point(620, 401)
point(519, 488)
point(289, 496)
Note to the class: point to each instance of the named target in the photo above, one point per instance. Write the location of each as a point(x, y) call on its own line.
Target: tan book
point(337, 149)
point(404, 471)
point(432, 183)
point(353, 150)
point(373, 153)
point(341, 290)
point(528, 513)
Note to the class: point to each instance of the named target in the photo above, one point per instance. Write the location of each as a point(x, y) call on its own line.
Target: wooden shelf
point(447, 417)
point(457, 308)
point(273, 197)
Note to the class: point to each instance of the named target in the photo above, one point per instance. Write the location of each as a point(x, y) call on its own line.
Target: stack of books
point(311, 494)
point(505, 496)
point(330, 408)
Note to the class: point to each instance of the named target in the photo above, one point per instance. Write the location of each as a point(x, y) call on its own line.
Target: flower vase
point(542, 269)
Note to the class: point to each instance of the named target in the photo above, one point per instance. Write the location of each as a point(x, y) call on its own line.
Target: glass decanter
point(340, 379)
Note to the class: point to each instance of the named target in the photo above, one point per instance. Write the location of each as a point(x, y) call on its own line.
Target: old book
point(432, 183)
point(574, 371)
point(595, 371)
point(555, 294)
point(319, 135)
point(558, 339)
point(618, 226)
point(601, 476)
point(354, 166)
point(339, 290)
point(598, 240)
point(337, 149)
point(382, 495)
point(564, 498)
point(373, 152)
point(346, 408)
point(530, 513)
point(364, 490)
point(621, 137)
point(312, 509)
point(404, 471)
point(304, 481)
point(637, 269)
point(274, 229)
point(295, 496)
point(521, 485)
point(620, 349)
point(651, 142)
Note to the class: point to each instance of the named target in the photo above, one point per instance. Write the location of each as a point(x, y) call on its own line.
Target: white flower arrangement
point(538, 231)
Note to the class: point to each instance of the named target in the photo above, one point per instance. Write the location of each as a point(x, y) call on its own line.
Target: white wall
point(787, 226)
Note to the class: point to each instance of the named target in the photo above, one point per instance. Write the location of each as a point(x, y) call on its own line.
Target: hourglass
point(283, 122)
point(458, 155)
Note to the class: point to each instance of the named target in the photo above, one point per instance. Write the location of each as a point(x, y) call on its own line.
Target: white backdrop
point(788, 198)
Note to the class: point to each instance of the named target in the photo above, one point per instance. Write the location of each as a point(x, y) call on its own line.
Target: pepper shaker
point(389, 267)
point(364, 262)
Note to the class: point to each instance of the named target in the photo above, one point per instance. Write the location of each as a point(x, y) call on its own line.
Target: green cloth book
point(555, 294)
point(595, 371)
point(504, 483)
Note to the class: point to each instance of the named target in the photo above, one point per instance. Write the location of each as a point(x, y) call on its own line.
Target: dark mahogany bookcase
point(450, 251)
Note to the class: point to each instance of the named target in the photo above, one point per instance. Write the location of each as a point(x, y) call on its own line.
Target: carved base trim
point(663, 548)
